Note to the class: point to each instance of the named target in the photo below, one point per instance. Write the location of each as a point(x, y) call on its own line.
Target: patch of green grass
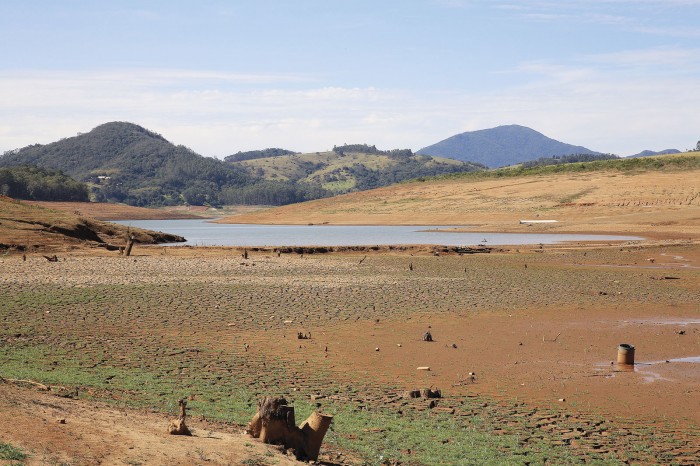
point(8, 452)
point(383, 437)
point(574, 196)
point(339, 186)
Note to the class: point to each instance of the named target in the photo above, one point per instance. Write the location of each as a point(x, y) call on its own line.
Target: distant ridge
point(501, 146)
point(650, 153)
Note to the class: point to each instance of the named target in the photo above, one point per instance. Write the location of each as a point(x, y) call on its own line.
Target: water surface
point(205, 233)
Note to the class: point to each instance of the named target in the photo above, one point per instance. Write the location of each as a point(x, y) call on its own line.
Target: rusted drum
point(625, 354)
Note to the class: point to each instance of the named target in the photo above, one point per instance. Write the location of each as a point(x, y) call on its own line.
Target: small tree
point(697, 146)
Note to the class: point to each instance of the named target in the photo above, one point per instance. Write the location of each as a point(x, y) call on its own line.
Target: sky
point(615, 76)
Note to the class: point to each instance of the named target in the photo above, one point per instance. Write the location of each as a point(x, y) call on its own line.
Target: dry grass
point(652, 203)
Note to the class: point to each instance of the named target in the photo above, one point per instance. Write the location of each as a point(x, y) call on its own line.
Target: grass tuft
point(10, 453)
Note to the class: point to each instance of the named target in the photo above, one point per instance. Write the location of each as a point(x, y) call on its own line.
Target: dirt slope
point(26, 227)
point(81, 432)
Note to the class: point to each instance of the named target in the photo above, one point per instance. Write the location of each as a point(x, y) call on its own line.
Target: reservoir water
point(205, 233)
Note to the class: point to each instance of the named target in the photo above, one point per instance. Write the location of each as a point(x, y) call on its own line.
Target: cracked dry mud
point(540, 338)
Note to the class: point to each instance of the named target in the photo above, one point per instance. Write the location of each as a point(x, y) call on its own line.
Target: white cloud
point(591, 103)
point(682, 59)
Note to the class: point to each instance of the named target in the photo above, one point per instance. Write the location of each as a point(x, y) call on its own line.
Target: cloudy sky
point(221, 76)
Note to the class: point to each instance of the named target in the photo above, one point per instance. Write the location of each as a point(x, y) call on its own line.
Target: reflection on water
point(645, 369)
point(663, 321)
point(205, 233)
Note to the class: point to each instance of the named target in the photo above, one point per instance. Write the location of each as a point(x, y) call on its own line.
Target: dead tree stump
point(430, 393)
point(275, 423)
point(177, 426)
point(313, 430)
point(129, 245)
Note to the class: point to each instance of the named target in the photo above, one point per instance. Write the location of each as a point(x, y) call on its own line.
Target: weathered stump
point(129, 245)
point(274, 423)
point(177, 426)
point(314, 429)
point(412, 394)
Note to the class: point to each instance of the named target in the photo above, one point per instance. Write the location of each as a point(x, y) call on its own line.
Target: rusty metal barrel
point(625, 354)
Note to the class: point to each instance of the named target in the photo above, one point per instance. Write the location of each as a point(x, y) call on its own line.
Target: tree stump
point(430, 393)
point(275, 423)
point(314, 429)
point(177, 426)
point(129, 245)
point(412, 394)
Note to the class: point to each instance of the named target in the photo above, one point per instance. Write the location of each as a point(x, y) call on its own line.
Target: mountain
point(650, 153)
point(124, 162)
point(501, 146)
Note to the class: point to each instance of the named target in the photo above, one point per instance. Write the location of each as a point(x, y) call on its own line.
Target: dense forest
point(273, 193)
point(257, 154)
point(41, 184)
point(367, 149)
point(573, 158)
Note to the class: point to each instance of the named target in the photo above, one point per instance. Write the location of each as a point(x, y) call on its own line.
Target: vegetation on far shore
point(684, 161)
point(41, 184)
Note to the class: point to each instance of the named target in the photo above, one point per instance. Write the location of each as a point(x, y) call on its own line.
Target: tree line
point(41, 184)
point(258, 154)
point(573, 158)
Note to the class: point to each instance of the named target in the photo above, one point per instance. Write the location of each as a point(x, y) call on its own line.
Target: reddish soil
point(60, 430)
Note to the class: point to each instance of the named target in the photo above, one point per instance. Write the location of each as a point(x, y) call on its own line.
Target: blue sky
point(217, 76)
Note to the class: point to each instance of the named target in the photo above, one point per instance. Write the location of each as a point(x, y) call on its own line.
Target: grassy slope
point(313, 167)
point(659, 194)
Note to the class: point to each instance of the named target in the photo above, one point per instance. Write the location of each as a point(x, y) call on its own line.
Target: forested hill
point(502, 146)
point(124, 162)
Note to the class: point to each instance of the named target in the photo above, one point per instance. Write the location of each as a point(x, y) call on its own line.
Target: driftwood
point(275, 423)
point(53, 258)
point(38, 385)
point(177, 426)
